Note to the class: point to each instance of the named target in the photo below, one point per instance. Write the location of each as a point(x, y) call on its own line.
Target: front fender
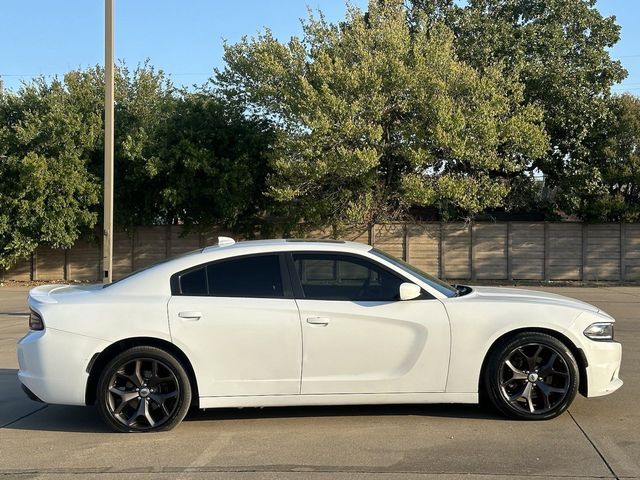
point(476, 326)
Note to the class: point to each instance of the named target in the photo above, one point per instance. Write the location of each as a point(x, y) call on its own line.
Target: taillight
point(35, 321)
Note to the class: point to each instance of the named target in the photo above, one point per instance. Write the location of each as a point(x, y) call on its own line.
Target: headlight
point(600, 331)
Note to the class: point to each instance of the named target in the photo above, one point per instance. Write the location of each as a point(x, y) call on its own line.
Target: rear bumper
point(604, 368)
point(53, 365)
point(30, 394)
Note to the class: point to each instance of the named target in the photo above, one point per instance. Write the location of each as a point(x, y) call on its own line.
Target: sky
point(185, 38)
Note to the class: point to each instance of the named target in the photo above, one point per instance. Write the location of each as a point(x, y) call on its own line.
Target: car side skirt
point(340, 399)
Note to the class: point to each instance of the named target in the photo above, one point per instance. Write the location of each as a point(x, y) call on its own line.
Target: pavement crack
point(303, 472)
point(593, 445)
point(24, 416)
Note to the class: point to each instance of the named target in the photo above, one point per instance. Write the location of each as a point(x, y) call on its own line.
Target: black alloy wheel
point(143, 389)
point(531, 376)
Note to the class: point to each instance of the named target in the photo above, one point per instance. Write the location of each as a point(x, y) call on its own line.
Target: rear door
point(240, 324)
point(358, 337)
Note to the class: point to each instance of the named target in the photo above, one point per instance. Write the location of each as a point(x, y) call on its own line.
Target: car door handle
point(319, 321)
point(190, 315)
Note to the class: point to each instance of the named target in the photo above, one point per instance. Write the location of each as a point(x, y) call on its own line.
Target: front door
point(238, 327)
point(358, 337)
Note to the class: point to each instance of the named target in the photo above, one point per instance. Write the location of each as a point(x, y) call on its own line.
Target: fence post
point(34, 265)
point(547, 269)
point(623, 266)
point(167, 241)
point(372, 234)
point(66, 265)
point(585, 247)
point(405, 241)
point(99, 272)
point(441, 269)
point(132, 262)
point(472, 252)
point(509, 252)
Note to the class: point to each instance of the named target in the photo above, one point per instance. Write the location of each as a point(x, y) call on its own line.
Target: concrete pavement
point(597, 438)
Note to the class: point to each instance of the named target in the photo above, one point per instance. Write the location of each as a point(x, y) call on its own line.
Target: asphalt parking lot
point(597, 438)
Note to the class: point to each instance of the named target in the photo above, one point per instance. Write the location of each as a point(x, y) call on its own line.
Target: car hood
point(517, 294)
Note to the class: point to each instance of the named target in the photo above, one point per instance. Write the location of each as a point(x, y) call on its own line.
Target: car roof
point(292, 244)
point(153, 278)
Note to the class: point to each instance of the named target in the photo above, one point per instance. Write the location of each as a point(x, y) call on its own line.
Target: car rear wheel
point(531, 376)
point(143, 389)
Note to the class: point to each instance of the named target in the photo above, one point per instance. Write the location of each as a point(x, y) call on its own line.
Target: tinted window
point(434, 282)
point(257, 276)
point(194, 282)
point(343, 277)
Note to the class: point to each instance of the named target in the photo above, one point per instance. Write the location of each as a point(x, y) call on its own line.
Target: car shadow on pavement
point(479, 412)
point(21, 413)
point(18, 412)
point(62, 418)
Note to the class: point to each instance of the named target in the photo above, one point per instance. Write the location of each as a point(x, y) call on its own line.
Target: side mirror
point(409, 291)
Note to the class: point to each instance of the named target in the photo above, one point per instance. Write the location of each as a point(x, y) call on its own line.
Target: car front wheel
point(143, 389)
point(531, 376)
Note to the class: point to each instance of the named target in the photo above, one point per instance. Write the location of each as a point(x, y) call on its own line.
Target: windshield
point(430, 280)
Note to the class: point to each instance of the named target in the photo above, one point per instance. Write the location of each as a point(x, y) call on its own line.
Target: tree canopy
point(616, 158)
point(462, 108)
point(375, 115)
point(47, 192)
point(180, 157)
point(559, 50)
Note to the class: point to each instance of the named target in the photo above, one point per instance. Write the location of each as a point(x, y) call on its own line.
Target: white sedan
point(292, 322)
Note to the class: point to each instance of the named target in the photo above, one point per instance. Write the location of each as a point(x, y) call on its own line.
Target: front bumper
point(53, 365)
point(603, 371)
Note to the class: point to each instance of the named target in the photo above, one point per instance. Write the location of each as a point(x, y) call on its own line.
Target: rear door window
point(257, 276)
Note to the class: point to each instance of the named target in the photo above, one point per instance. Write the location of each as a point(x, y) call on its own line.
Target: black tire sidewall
point(184, 400)
point(498, 356)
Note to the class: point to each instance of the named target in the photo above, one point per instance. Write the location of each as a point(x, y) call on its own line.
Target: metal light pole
point(107, 241)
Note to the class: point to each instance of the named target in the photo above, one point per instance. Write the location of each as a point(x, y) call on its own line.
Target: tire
point(143, 389)
point(531, 376)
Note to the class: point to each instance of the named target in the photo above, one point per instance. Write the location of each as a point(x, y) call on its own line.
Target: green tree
point(616, 157)
point(145, 101)
point(51, 134)
point(211, 163)
point(47, 194)
point(560, 51)
point(377, 114)
point(189, 157)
